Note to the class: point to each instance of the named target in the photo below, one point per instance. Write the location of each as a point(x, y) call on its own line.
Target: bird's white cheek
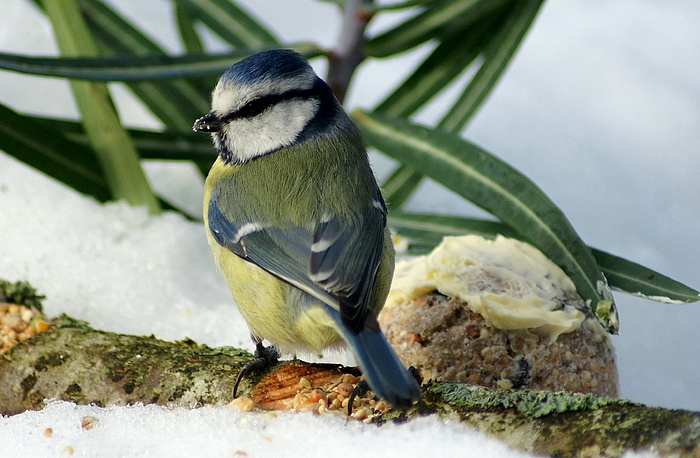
point(275, 128)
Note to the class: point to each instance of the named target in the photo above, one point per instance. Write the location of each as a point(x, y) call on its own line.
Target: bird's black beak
point(210, 122)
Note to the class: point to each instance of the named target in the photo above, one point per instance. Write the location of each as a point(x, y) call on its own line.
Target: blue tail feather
point(382, 369)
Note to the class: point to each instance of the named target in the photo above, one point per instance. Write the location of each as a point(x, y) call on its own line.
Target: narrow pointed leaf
point(114, 33)
point(112, 145)
point(165, 145)
point(185, 25)
point(449, 59)
point(501, 36)
point(399, 186)
point(446, 62)
point(158, 145)
point(431, 228)
point(63, 151)
point(174, 102)
point(135, 67)
point(641, 281)
point(374, 8)
point(174, 146)
point(50, 153)
point(232, 23)
point(437, 19)
point(498, 188)
point(503, 45)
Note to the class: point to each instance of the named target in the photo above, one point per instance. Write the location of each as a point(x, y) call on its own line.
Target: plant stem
point(349, 51)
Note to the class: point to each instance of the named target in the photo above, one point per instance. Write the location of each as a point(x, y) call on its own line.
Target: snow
point(600, 108)
point(220, 431)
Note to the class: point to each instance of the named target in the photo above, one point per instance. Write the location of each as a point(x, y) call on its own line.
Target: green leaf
point(399, 186)
point(185, 25)
point(425, 231)
point(499, 34)
point(174, 146)
point(114, 33)
point(429, 228)
point(112, 145)
point(641, 281)
point(163, 145)
point(498, 188)
point(390, 6)
point(437, 19)
point(447, 61)
point(123, 68)
point(232, 23)
point(176, 102)
point(134, 68)
point(51, 153)
point(63, 151)
point(503, 44)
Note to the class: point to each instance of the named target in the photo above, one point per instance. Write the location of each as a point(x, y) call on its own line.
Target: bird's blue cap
point(276, 63)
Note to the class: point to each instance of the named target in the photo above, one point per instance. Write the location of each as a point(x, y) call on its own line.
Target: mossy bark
point(73, 362)
point(567, 424)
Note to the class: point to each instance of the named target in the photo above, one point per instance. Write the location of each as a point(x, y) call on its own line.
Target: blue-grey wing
point(344, 261)
point(336, 261)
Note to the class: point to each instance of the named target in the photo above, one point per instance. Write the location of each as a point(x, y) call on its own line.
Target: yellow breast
point(274, 310)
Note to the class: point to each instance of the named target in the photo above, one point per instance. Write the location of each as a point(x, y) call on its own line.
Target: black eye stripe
point(255, 107)
point(259, 105)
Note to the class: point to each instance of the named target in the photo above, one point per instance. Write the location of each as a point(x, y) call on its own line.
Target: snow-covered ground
point(601, 108)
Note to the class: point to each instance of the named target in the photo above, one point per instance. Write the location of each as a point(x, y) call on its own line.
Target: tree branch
point(349, 51)
point(73, 362)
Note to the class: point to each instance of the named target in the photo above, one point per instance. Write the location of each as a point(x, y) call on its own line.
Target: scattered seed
point(88, 422)
point(345, 389)
point(16, 324)
point(351, 379)
point(317, 394)
point(244, 404)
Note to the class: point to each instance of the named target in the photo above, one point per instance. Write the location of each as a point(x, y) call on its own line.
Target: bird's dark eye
point(254, 107)
point(259, 105)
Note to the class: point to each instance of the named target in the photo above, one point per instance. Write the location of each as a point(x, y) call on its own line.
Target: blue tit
point(295, 219)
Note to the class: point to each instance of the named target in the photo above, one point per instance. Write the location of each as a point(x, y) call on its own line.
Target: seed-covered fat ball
point(497, 313)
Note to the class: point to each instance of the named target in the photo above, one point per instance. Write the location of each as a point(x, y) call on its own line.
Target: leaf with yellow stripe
point(500, 189)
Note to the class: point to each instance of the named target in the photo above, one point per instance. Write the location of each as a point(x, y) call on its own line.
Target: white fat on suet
point(508, 282)
point(276, 127)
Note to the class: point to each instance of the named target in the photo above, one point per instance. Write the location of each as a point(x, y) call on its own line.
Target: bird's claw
point(264, 358)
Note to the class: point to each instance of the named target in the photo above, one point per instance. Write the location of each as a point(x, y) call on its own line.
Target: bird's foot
point(264, 358)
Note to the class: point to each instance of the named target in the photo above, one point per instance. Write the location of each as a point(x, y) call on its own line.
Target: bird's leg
point(363, 387)
point(264, 358)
